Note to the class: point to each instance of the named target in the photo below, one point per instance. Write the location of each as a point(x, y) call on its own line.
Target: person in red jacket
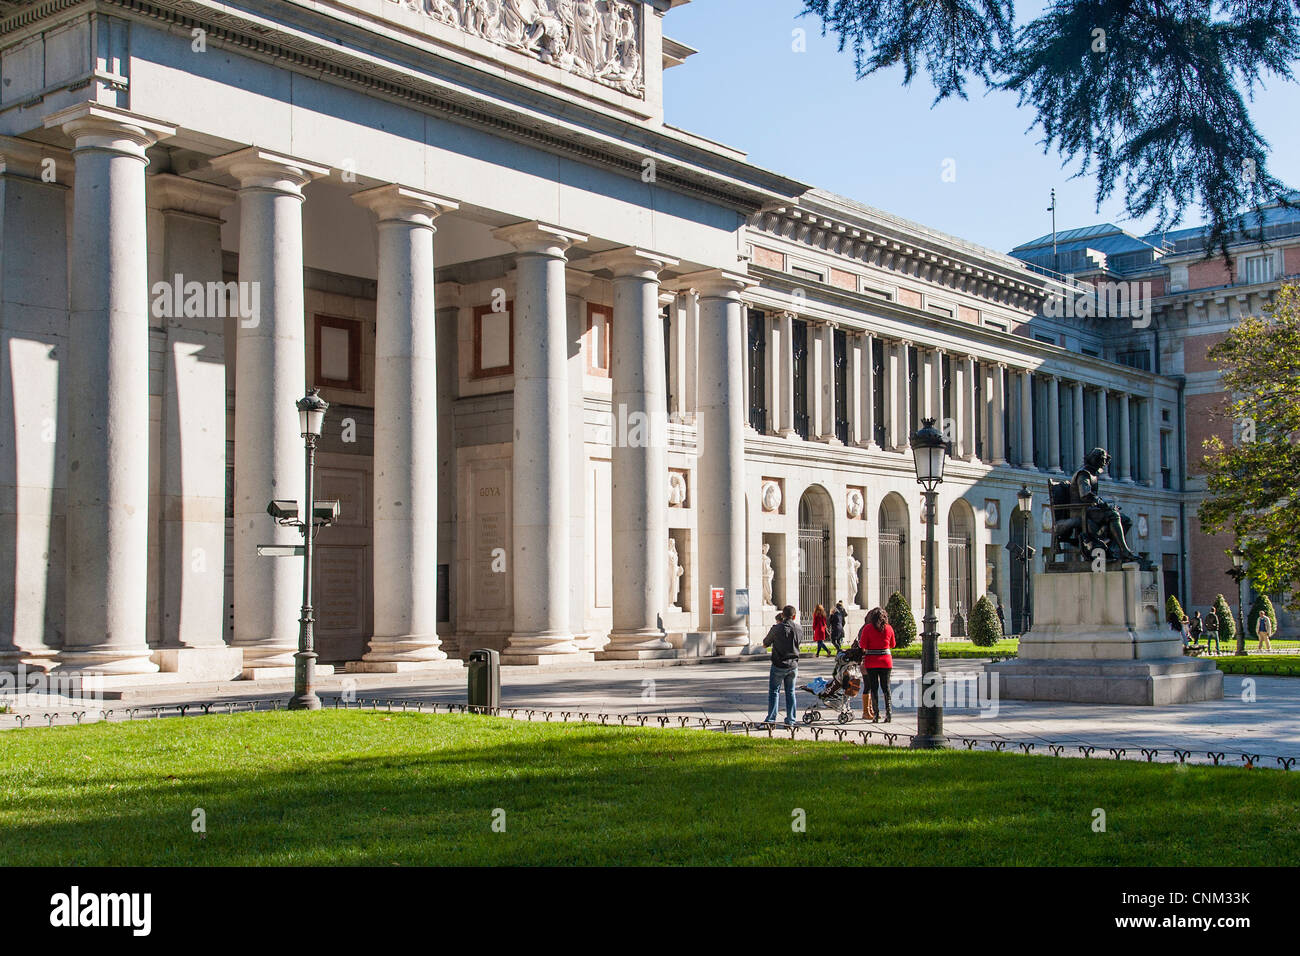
point(875, 639)
point(819, 631)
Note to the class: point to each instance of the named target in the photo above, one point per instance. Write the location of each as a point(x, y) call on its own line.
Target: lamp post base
point(930, 742)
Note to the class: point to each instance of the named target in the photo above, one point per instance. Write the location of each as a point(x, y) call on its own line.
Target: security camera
point(283, 509)
point(326, 512)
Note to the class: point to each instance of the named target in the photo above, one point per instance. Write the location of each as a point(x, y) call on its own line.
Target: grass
point(1264, 665)
point(949, 649)
point(352, 788)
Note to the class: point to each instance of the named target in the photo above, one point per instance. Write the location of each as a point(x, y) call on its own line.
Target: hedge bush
point(900, 618)
point(985, 631)
point(1227, 626)
point(1174, 611)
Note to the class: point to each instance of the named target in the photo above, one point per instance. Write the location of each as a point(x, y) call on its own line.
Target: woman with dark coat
point(837, 619)
point(876, 638)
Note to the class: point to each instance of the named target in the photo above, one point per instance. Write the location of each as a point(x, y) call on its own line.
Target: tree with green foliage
point(1152, 93)
point(900, 618)
point(985, 631)
point(1227, 626)
point(1262, 605)
point(1254, 482)
point(1174, 611)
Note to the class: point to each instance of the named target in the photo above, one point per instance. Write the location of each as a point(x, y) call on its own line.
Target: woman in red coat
point(819, 631)
point(875, 639)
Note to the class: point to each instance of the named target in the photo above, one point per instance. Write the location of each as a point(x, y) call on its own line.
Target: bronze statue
point(1106, 527)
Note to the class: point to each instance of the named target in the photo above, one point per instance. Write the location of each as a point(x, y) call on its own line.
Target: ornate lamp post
point(1024, 553)
point(931, 454)
point(1238, 574)
point(311, 415)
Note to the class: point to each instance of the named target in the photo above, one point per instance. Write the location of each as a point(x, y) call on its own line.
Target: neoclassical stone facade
point(562, 342)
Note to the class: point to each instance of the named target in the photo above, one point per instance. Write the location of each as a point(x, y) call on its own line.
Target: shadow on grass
point(350, 788)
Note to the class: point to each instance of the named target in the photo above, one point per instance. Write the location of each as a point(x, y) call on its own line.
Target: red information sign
point(719, 599)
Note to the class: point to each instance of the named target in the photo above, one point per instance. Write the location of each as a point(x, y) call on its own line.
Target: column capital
point(257, 168)
point(171, 193)
point(630, 261)
point(95, 126)
point(716, 283)
point(539, 238)
point(392, 202)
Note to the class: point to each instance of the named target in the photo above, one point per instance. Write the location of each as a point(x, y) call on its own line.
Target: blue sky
point(804, 115)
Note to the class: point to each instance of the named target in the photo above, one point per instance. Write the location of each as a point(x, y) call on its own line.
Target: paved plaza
point(1261, 717)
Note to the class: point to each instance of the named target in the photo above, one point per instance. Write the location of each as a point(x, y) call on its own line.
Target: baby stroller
point(837, 694)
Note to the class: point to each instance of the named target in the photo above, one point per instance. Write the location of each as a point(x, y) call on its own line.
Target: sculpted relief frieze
point(596, 39)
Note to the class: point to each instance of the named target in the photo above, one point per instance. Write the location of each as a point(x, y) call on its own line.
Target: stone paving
point(736, 691)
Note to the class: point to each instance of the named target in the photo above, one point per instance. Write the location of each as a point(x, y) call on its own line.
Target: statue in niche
point(769, 575)
point(854, 565)
point(676, 490)
point(675, 572)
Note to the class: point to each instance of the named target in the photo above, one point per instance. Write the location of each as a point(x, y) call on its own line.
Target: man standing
point(1212, 630)
point(784, 639)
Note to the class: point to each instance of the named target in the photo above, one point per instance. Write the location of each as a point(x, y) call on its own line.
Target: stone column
point(270, 377)
point(33, 401)
point(639, 468)
point(888, 391)
point(968, 402)
point(1079, 451)
point(777, 345)
point(1027, 419)
point(816, 379)
point(1103, 419)
point(853, 387)
point(934, 362)
point(867, 385)
point(107, 364)
point(191, 468)
point(690, 300)
point(406, 433)
point(826, 337)
point(677, 360)
point(1053, 423)
point(903, 408)
point(998, 414)
point(543, 633)
point(1125, 465)
point(787, 377)
point(721, 443)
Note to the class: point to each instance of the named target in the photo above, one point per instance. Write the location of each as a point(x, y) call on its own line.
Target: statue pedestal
point(1100, 637)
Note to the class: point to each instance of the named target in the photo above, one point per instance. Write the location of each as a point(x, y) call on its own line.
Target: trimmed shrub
point(985, 631)
point(1174, 611)
point(1227, 626)
point(900, 618)
point(1262, 603)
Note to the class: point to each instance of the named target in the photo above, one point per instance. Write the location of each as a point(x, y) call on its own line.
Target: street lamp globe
point(1026, 499)
point(1238, 557)
point(930, 452)
point(311, 413)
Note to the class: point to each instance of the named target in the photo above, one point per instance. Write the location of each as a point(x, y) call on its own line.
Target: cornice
point(404, 71)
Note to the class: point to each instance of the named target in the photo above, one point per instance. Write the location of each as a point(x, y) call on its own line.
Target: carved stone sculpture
point(769, 575)
point(675, 572)
point(854, 565)
point(596, 39)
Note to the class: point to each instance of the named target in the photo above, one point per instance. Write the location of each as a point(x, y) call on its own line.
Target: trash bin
point(484, 681)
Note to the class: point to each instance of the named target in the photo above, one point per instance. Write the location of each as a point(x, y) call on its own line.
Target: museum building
point(582, 366)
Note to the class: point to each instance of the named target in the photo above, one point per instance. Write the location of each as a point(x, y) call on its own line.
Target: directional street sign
point(280, 550)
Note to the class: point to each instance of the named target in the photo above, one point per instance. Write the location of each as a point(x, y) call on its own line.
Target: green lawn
point(951, 649)
point(1264, 665)
point(351, 787)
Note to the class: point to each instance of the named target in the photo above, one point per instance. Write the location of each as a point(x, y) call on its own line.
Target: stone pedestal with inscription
point(1100, 637)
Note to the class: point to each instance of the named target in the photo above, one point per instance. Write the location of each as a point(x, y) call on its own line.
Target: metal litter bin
point(484, 681)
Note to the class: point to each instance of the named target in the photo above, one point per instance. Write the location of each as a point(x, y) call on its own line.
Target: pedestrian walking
point(876, 638)
point(783, 638)
point(819, 631)
point(1002, 618)
point(1196, 627)
point(1212, 630)
point(1264, 630)
point(837, 620)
